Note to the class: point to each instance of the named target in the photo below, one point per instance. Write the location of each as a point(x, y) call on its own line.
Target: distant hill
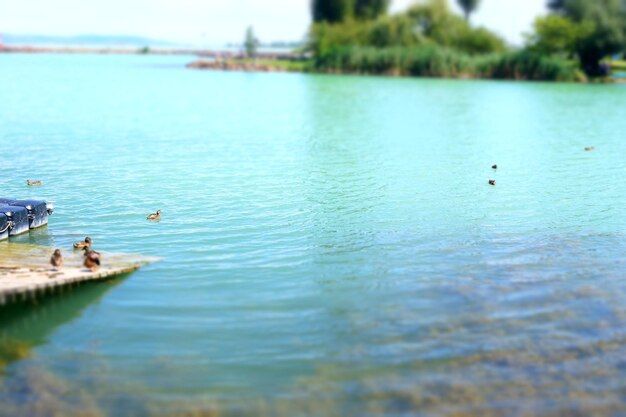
point(83, 40)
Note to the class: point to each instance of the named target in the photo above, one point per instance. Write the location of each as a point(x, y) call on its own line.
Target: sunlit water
point(331, 245)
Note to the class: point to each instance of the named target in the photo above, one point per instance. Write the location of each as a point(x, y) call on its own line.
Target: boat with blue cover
point(4, 227)
point(23, 215)
point(18, 219)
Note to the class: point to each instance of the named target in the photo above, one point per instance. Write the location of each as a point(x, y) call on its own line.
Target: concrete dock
point(25, 270)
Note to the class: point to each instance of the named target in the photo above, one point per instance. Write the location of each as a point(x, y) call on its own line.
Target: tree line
point(586, 31)
point(335, 11)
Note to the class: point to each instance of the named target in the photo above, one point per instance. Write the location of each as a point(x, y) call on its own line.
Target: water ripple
point(330, 245)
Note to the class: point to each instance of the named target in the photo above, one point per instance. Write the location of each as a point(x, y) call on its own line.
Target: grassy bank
point(434, 61)
point(414, 62)
point(430, 39)
point(253, 65)
point(280, 64)
point(617, 65)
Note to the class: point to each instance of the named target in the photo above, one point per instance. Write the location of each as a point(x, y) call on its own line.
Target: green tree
point(370, 9)
point(435, 21)
point(332, 11)
point(476, 41)
point(557, 34)
point(608, 36)
point(424, 24)
point(390, 31)
point(468, 6)
point(251, 43)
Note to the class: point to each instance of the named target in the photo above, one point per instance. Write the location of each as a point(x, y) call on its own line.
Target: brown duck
point(56, 260)
point(154, 216)
point(33, 183)
point(84, 244)
point(88, 250)
point(92, 260)
point(492, 182)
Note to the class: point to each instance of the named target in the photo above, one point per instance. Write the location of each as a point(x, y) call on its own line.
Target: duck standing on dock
point(33, 183)
point(154, 216)
point(56, 260)
point(84, 244)
point(88, 250)
point(92, 260)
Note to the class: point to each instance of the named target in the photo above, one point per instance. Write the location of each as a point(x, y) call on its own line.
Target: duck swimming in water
point(84, 244)
point(494, 166)
point(154, 216)
point(33, 183)
point(492, 182)
point(589, 148)
point(56, 260)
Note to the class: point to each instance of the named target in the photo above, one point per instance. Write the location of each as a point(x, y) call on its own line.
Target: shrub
point(435, 61)
point(429, 61)
point(479, 41)
point(526, 65)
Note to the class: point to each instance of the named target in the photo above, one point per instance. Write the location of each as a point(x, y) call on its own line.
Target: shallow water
point(331, 245)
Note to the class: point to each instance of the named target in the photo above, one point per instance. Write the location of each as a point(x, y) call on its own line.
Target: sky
point(215, 22)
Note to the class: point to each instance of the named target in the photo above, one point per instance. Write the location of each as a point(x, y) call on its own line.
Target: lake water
point(330, 244)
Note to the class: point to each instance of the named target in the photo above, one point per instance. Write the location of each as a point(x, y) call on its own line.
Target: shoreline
point(301, 65)
point(219, 60)
point(127, 50)
point(246, 65)
point(96, 50)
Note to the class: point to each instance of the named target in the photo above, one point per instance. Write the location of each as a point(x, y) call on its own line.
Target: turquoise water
point(331, 245)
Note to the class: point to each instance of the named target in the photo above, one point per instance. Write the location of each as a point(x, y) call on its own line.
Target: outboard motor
point(38, 211)
point(5, 227)
point(18, 217)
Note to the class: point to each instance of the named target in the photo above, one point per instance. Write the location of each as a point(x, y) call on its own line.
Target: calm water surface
point(331, 246)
